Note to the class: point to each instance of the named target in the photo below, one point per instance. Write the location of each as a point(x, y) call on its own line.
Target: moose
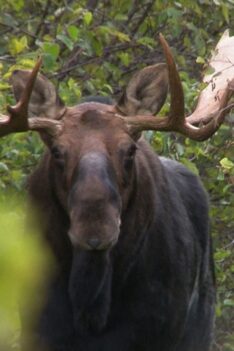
point(129, 230)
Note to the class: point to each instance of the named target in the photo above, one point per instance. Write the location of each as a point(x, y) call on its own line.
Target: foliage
point(24, 260)
point(91, 47)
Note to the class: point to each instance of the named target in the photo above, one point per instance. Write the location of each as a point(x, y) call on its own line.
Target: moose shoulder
point(128, 229)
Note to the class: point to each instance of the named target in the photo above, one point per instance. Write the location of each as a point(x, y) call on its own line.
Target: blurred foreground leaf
point(24, 263)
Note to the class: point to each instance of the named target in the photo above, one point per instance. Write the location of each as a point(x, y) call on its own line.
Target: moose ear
point(44, 100)
point(146, 91)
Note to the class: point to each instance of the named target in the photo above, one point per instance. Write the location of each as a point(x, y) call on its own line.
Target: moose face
point(92, 156)
point(93, 145)
point(93, 167)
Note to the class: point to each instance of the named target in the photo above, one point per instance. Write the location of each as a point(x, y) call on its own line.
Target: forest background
point(92, 48)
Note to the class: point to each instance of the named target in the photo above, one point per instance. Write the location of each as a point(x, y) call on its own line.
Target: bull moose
point(129, 230)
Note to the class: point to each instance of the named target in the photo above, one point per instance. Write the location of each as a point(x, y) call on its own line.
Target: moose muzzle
point(94, 204)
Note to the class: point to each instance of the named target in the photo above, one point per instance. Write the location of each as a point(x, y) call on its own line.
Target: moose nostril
point(94, 243)
point(15, 71)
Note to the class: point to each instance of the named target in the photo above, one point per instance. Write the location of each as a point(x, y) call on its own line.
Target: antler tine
point(206, 131)
point(50, 126)
point(139, 123)
point(18, 119)
point(176, 114)
point(215, 107)
point(21, 108)
point(176, 118)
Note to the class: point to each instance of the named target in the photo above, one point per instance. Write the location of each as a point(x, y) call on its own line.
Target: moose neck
point(90, 290)
point(139, 216)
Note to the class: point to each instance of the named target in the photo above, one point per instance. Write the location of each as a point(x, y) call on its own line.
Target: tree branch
point(18, 29)
point(92, 4)
point(148, 6)
point(44, 14)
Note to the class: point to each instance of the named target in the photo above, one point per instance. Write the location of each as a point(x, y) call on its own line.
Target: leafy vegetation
point(22, 273)
point(91, 47)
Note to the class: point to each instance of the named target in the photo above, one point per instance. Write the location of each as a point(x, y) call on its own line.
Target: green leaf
point(200, 60)
point(17, 5)
point(27, 63)
point(227, 164)
point(66, 40)
point(3, 167)
point(4, 86)
point(121, 36)
point(146, 41)
point(225, 12)
point(73, 32)
point(16, 46)
point(209, 70)
point(49, 62)
point(179, 149)
point(218, 311)
point(52, 49)
point(125, 58)
point(88, 17)
point(97, 46)
point(19, 246)
point(228, 303)
point(121, 17)
point(108, 88)
point(190, 165)
point(221, 255)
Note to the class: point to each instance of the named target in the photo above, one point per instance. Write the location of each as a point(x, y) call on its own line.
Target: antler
point(176, 120)
point(17, 120)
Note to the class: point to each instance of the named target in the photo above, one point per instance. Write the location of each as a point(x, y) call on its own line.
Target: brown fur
point(129, 232)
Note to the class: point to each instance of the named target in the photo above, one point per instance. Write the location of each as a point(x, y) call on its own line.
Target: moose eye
point(131, 151)
point(129, 157)
point(56, 152)
point(58, 157)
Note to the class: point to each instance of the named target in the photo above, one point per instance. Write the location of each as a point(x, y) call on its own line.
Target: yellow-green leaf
point(27, 63)
point(16, 45)
point(125, 59)
point(200, 60)
point(226, 163)
point(73, 32)
point(4, 86)
point(121, 36)
point(225, 12)
point(88, 17)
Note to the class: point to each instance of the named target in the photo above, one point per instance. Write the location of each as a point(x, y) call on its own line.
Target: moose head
point(93, 145)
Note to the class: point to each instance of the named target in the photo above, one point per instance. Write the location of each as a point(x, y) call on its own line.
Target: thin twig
point(228, 245)
point(18, 29)
point(107, 52)
point(142, 17)
point(44, 15)
point(7, 58)
point(92, 4)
